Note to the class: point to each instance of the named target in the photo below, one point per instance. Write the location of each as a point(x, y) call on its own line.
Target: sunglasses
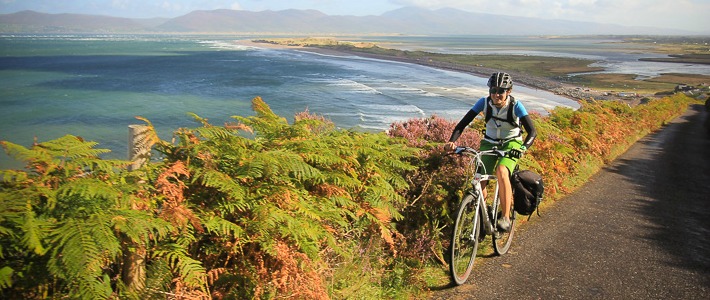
point(497, 90)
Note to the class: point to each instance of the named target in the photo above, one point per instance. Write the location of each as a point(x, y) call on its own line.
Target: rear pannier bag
point(528, 188)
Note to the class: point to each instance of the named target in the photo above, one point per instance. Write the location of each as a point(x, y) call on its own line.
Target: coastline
point(527, 80)
point(566, 90)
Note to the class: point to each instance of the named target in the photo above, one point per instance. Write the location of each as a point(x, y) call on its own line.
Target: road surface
point(639, 229)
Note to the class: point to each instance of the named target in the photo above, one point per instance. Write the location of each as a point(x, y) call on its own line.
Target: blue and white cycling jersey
point(496, 129)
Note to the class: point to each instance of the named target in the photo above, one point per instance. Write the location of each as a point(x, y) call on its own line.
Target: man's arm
point(529, 127)
point(470, 115)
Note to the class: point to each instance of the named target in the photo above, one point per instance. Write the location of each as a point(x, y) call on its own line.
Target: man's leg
point(505, 192)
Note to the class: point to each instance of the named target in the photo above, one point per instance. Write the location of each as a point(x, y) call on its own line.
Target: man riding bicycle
point(504, 115)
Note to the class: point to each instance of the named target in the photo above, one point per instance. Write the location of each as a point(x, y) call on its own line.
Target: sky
point(692, 15)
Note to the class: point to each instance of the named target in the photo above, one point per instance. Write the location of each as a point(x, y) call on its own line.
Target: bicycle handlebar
point(469, 150)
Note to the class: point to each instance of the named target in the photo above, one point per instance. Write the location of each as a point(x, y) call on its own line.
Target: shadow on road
point(672, 179)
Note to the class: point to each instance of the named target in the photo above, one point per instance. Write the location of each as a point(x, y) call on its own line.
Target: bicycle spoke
point(464, 240)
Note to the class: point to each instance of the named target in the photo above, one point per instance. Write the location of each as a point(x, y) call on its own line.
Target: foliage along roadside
point(253, 209)
point(261, 208)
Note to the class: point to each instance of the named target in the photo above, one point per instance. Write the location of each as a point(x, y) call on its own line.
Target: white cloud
point(172, 7)
point(235, 6)
point(119, 4)
point(582, 2)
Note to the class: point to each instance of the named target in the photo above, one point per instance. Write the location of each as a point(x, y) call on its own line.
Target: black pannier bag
point(528, 188)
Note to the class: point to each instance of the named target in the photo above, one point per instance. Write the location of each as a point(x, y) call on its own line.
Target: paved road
point(639, 229)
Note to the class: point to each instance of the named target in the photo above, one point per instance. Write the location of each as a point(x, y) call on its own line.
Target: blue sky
point(680, 14)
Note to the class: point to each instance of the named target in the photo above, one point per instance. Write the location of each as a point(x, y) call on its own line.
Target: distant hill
point(408, 20)
point(285, 21)
point(34, 22)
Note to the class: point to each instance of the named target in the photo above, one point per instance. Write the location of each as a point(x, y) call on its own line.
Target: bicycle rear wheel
point(464, 240)
point(503, 240)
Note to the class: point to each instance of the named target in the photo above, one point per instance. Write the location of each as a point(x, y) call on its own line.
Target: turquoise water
point(93, 86)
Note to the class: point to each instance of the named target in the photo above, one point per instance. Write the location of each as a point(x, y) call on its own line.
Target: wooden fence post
point(134, 253)
point(138, 152)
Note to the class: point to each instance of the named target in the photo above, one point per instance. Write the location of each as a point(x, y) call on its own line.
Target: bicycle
point(475, 217)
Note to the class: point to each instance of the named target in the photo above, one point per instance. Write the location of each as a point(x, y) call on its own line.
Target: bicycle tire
point(464, 240)
point(503, 240)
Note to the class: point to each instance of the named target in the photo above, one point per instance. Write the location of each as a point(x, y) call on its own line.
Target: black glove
point(516, 153)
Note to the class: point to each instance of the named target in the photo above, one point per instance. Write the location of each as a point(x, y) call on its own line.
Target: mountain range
point(403, 21)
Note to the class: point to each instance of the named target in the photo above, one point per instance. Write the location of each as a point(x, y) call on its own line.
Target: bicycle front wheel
point(464, 240)
point(503, 240)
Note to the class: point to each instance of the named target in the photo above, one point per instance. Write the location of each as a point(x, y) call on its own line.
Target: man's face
point(499, 95)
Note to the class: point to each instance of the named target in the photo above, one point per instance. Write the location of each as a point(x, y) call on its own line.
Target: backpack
point(528, 188)
point(509, 118)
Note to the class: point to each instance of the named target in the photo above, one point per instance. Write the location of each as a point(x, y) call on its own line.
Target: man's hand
point(450, 146)
point(517, 153)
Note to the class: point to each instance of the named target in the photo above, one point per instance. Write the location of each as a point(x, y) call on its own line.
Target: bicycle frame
point(475, 219)
point(489, 214)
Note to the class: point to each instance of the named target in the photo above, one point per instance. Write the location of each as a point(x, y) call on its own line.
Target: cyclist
point(502, 131)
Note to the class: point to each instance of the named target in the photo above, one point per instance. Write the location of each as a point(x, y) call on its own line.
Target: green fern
point(233, 191)
point(159, 278)
point(6, 277)
point(82, 249)
point(140, 227)
point(248, 188)
point(188, 269)
point(224, 228)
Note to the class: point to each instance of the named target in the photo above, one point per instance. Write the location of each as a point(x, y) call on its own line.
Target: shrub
point(434, 185)
point(221, 215)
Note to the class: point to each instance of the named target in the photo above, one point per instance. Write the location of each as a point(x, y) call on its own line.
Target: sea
point(94, 86)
